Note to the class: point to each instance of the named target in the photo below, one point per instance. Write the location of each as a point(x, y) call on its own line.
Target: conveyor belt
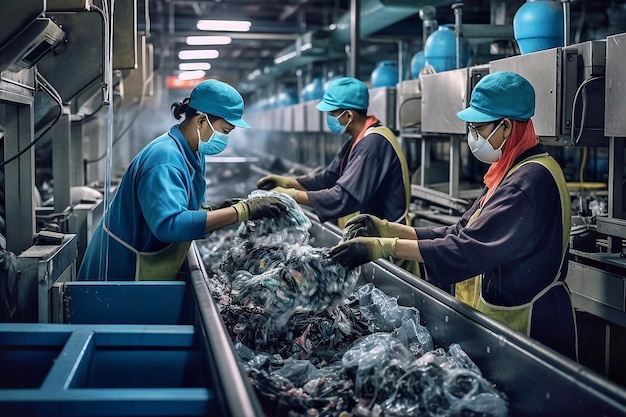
point(145, 348)
point(536, 380)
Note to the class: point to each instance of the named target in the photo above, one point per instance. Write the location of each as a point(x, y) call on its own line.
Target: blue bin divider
point(104, 370)
point(127, 302)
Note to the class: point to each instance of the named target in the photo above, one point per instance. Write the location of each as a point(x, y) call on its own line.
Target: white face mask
point(482, 149)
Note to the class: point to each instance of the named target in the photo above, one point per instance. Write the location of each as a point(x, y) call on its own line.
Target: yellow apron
point(518, 317)
point(162, 265)
point(410, 266)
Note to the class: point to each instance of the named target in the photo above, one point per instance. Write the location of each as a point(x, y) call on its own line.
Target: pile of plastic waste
point(315, 344)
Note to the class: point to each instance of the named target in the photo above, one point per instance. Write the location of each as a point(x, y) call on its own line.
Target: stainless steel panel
point(409, 104)
point(77, 63)
point(68, 5)
point(125, 55)
point(595, 284)
point(87, 217)
point(299, 121)
point(443, 95)
point(313, 118)
point(615, 85)
point(583, 89)
point(40, 267)
point(542, 69)
point(17, 87)
point(16, 15)
point(287, 118)
point(136, 80)
point(19, 177)
point(383, 105)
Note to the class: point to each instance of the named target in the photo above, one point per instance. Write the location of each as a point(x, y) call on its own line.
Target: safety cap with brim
point(219, 99)
point(500, 95)
point(345, 93)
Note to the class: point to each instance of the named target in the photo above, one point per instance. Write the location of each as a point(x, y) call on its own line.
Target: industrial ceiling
point(277, 24)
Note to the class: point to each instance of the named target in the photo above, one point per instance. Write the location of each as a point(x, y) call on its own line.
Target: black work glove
point(272, 181)
point(360, 250)
point(370, 226)
point(259, 208)
point(226, 203)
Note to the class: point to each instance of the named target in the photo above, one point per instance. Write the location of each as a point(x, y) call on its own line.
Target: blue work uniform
point(156, 204)
point(368, 179)
point(517, 242)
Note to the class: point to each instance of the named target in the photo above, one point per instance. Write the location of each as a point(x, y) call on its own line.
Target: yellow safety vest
point(519, 317)
point(410, 266)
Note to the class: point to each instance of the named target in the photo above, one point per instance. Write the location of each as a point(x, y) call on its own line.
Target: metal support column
point(455, 162)
point(355, 37)
point(19, 177)
point(425, 163)
point(61, 161)
point(616, 188)
point(77, 171)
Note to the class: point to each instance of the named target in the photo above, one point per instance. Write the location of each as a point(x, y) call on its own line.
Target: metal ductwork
point(378, 14)
point(30, 45)
point(310, 47)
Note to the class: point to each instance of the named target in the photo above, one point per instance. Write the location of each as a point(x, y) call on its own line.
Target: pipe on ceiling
point(376, 15)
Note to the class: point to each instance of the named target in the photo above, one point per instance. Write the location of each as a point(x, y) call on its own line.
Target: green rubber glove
point(272, 181)
point(259, 208)
point(226, 203)
point(291, 192)
point(370, 226)
point(361, 250)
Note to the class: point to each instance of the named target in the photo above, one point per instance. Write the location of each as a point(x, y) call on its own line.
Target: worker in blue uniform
point(368, 175)
point(507, 255)
point(159, 207)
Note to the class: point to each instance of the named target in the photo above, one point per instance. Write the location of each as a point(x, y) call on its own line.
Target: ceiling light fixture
point(191, 75)
point(208, 40)
point(198, 54)
point(226, 25)
point(191, 66)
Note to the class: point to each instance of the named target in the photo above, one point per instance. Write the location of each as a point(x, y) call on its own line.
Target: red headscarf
point(523, 137)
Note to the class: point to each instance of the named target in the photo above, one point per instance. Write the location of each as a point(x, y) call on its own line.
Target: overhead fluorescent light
point(286, 57)
point(254, 74)
point(198, 54)
point(191, 75)
point(226, 25)
point(208, 40)
point(191, 66)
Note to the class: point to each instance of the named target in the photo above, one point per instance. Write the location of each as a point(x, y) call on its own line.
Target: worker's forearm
point(302, 197)
point(216, 219)
point(409, 250)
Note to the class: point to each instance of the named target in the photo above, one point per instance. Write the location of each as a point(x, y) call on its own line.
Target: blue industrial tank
point(417, 63)
point(538, 25)
point(385, 74)
point(313, 90)
point(440, 49)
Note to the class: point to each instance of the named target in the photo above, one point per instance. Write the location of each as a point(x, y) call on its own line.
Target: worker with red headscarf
point(507, 255)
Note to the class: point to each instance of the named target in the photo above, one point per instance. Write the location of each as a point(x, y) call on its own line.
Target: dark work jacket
point(517, 243)
point(368, 180)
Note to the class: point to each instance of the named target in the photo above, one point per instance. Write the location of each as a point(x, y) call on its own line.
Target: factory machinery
point(161, 348)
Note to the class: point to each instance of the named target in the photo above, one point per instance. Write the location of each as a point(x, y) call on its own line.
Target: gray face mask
point(482, 149)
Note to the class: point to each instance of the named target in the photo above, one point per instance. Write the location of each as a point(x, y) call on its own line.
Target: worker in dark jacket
point(507, 254)
point(368, 175)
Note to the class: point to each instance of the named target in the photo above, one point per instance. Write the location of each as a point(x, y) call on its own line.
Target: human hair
point(183, 108)
point(360, 112)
